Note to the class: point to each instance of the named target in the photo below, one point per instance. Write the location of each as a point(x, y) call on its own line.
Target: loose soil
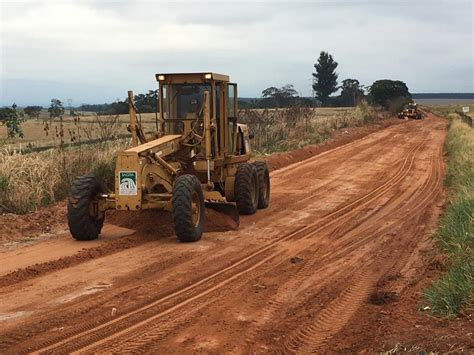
point(335, 264)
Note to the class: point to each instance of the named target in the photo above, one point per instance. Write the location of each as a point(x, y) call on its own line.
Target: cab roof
point(183, 78)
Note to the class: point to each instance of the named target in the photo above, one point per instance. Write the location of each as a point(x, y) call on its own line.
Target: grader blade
point(227, 209)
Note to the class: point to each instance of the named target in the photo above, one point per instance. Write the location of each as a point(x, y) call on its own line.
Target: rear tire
point(83, 225)
point(188, 208)
point(246, 188)
point(263, 184)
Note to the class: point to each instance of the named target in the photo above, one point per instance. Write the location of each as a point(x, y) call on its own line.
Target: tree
point(147, 102)
point(33, 111)
point(12, 118)
point(143, 103)
point(325, 77)
point(118, 107)
point(384, 92)
point(56, 109)
point(352, 92)
point(279, 97)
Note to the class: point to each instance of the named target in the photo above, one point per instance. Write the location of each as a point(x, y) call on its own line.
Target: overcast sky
point(94, 51)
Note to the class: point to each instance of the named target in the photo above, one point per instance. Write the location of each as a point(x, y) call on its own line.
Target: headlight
point(208, 76)
point(161, 77)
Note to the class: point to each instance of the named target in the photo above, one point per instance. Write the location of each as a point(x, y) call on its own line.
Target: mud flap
point(227, 209)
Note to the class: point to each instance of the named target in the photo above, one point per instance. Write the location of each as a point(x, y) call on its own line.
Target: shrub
point(12, 118)
point(381, 92)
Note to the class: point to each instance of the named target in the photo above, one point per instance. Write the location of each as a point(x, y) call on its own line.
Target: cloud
point(85, 45)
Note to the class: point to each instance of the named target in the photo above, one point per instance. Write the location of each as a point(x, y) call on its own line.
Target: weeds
point(103, 128)
point(455, 290)
point(38, 179)
point(284, 129)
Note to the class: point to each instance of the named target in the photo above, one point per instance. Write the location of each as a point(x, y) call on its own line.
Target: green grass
point(454, 291)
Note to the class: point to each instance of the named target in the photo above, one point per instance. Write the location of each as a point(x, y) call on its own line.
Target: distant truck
point(411, 111)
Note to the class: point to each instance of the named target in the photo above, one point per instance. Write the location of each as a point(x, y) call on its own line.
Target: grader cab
point(199, 157)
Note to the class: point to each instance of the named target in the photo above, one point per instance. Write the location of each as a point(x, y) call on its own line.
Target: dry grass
point(32, 180)
point(37, 179)
point(444, 110)
point(44, 132)
point(284, 129)
point(37, 136)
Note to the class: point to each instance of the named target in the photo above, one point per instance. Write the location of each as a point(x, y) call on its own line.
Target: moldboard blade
point(228, 209)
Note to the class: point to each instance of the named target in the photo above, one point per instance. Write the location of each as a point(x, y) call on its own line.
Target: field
point(31, 179)
point(443, 109)
point(35, 134)
point(43, 132)
point(337, 263)
point(458, 103)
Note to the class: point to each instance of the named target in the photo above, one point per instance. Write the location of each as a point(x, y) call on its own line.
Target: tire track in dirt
point(303, 232)
point(139, 339)
point(349, 233)
point(82, 256)
point(335, 315)
point(305, 273)
point(332, 318)
point(429, 193)
point(137, 239)
point(76, 309)
point(144, 233)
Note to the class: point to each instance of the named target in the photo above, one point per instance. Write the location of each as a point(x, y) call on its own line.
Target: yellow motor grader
point(198, 157)
point(411, 111)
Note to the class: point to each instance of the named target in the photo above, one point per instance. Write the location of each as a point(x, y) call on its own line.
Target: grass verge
point(454, 291)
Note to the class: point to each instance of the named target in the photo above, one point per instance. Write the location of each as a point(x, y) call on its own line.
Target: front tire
point(83, 225)
point(263, 184)
point(188, 208)
point(246, 189)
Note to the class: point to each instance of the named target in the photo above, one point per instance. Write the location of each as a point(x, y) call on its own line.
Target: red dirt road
point(346, 234)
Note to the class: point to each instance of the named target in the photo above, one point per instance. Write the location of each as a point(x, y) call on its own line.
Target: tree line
point(12, 117)
point(143, 103)
point(384, 92)
point(390, 94)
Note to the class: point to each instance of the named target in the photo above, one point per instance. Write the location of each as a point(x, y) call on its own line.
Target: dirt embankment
point(335, 264)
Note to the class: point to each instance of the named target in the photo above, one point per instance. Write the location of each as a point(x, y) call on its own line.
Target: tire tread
point(81, 224)
point(183, 189)
point(243, 189)
point(262, 173)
